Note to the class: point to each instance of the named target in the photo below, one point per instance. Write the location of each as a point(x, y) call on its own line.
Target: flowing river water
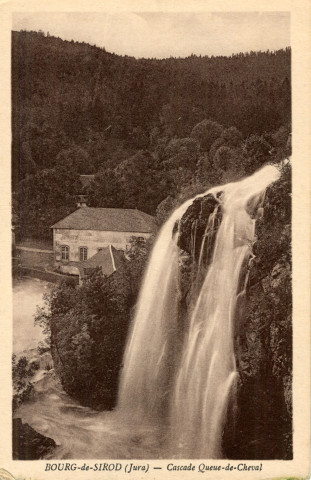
point(173, 397)
point(27, 294)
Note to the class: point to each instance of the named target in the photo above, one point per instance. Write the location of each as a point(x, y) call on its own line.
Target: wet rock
point(263, 351)
point(280, 276)
point(266, 285)
point(192, 226)
point(29, 444)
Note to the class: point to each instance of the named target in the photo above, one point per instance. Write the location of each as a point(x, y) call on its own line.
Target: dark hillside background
point(151, 130)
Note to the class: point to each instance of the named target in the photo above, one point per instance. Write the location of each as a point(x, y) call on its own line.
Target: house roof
point(108, 219)
point(109, 259)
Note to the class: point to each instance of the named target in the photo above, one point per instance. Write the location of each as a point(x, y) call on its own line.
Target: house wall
point(91, 239)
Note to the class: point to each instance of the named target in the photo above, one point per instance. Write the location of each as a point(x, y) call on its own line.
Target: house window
point(65, 252)
point(83, 254)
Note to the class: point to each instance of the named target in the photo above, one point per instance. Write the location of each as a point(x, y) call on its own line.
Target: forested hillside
point(151, 130)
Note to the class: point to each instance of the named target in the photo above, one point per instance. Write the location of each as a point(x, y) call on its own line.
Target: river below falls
point(27, 294)
point(83, 433)
point(79, 432)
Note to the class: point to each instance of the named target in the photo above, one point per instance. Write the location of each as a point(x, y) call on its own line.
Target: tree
point(105, 190)
point(44, 198)
point(76, 159)
point(89, 327)
point(164, 209)
point(256, 152)
point(230, 137)
point(22, 372)
point(181, 152)
point(206, 132)
point(226, 158)
point(142, 184)
point(137, 254)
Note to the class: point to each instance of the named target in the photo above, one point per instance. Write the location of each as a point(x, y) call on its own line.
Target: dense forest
point(174, 126)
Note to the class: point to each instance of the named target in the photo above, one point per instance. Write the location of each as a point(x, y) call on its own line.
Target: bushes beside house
point(88, 328)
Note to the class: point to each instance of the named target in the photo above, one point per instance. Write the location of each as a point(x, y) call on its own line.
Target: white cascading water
point(186, 379)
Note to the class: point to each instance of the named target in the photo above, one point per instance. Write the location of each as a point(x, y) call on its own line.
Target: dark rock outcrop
point(193, 225)
point(196, 231)
point(29, 444)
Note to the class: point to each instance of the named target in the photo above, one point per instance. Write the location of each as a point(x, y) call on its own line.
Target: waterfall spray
point(186, 380)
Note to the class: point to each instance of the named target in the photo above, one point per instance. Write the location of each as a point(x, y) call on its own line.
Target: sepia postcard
point(155, 268)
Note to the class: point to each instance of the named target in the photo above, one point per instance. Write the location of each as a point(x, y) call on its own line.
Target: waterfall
point(182, 373)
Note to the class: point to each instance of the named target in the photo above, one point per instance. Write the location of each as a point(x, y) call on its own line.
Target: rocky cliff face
point(259, 419)
point(196, 231)
point(195, 227)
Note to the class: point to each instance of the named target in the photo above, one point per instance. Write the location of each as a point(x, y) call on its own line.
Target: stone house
point(80, 236)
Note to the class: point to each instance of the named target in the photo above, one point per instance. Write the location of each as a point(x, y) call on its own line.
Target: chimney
point(82, 199)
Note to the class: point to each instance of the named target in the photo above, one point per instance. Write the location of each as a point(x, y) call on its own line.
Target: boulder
point(29, 444)
point(193, 226)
